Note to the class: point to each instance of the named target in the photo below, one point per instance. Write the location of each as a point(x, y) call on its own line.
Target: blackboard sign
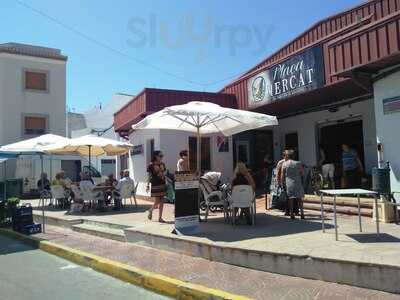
point(186, 203)
point(298, 74)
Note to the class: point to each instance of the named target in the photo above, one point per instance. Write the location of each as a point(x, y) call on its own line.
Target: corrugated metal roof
point(151, 100)
point(327, 28)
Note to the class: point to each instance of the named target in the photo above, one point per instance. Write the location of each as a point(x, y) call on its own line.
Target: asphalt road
point(31, 274)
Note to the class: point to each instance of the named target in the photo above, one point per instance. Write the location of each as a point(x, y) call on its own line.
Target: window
point(35, 125)
point(205, 153)
point(36, 81)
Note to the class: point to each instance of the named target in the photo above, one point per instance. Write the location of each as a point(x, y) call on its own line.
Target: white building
point(32, 92)
point(98, 121)
point(387, 116)
point(170, 142)
point(336, 83)
point(32, 103)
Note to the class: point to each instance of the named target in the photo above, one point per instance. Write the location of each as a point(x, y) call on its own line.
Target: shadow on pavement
point(9, 246)
point(94, 212)
point(372, 238)
point(266, 226)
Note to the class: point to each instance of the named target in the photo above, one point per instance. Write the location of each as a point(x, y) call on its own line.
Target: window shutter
point(35, 81)
point(35, 125)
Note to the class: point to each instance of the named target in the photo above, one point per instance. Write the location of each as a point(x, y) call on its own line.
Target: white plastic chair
point(242, 197)
point(210, 195)
point(77, 192)
point(57, 193)
point(44, 195)
point(90, 196)
point(127, 192)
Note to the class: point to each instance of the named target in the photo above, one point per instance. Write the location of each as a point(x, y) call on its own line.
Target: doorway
point(243, 152)
point(107, 167)
point(205, 153)
point(333, 135)
point(72, 168)
point(292, 143)
point(255, 149)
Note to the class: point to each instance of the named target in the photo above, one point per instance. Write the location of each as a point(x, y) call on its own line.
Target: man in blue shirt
point(352, 167)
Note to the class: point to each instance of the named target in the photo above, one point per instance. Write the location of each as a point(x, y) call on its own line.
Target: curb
point(152, 281)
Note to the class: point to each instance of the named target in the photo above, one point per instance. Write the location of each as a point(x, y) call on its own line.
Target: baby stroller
point(213, 191)
point(170, 187)
point(277, 193)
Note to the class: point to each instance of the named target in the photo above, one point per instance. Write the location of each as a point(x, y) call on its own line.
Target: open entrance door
point(292, 143)
point(333, 135)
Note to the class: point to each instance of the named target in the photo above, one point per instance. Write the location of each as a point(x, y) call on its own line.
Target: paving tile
point(252, 283)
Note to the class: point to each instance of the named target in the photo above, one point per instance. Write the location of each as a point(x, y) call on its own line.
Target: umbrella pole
point(5, 180)
point(90, 158)
point(51, 167)
point(198, 166)
point(42, 192)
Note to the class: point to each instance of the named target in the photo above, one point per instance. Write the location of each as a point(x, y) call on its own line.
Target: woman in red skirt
point(156, 176)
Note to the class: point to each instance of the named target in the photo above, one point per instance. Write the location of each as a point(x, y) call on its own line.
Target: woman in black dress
point(156, 176)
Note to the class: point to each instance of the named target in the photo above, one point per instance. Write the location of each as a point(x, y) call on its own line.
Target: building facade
point(171, 142)
point(330, 85)
point(32, 92)
point(335, 83)
point(97, 121)
point(32, 103)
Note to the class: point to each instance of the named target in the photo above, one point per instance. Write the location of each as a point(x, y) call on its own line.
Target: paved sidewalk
point(237, 280)
point(273, 233)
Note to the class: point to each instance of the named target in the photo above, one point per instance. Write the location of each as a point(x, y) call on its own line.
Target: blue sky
point(125, 45)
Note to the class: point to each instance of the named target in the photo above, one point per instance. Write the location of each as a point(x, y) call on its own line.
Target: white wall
point(16, 101)
point(171, 143)
point(387, 125)
point(305, 125)
point(140, 161)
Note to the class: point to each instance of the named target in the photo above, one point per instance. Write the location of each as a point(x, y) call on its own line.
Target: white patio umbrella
point(90, 145)
point(34, 146)
point(205, 118)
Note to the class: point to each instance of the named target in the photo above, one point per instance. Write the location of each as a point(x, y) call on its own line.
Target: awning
point(5, 156)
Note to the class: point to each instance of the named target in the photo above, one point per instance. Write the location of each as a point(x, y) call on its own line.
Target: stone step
point(101, 231)
point(104, 224)
point(347, 210)
point(341, 201)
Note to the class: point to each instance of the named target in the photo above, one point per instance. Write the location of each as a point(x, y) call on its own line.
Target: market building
point(338, 82)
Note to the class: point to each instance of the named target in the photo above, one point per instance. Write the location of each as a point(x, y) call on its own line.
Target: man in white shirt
point(125, 180)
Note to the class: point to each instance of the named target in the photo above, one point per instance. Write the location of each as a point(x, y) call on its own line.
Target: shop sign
point(137, 150)
point(391, 105)
point(299, 74)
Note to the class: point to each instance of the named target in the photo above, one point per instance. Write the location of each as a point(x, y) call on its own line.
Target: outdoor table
point(342, 192)
point(102, 188)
